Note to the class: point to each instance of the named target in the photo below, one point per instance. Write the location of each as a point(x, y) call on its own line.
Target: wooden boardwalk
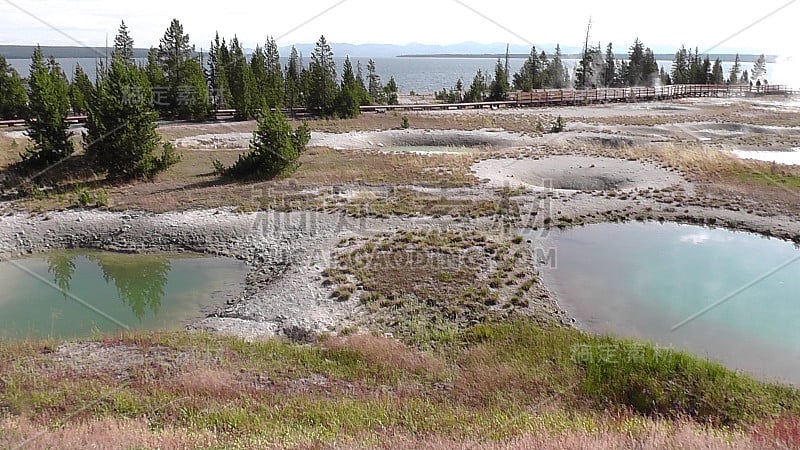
point(546, 97)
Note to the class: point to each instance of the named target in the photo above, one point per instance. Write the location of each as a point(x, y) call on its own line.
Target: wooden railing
point(542, 97)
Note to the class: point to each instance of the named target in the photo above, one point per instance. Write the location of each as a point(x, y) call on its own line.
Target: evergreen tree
point(529, 76)
point(584, 70)
point(48, 107)
point(193, 96)
point(294, 80)
point(258, 67)
point(544, 64)
point(664, 77)
point(177, 61)
point(590, 69)
point(158, 82)
point(649, 68)
point(348, 102)
point(556, 72)
point(477, 90)
point(706, 71)
point(81, 90)
point(745, 78)
point(374, 85)
point(217, 73)
point(123, 43)
point(13, 97)
point(759, 70)
point(241, 83)
point(680, 67)
point(609, 67)
point(717, 74)
point(696, 72)
point(736, 69)
point(390, 91)
point(274, 87)
point(623, 73)
point(121, 137)
point(275, 147)
point(362, 86)
point(636, 64)
point(323, 88)
point(499, 87)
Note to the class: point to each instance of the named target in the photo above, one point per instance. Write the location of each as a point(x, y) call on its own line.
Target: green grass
point(780, 180)
point(491, 381)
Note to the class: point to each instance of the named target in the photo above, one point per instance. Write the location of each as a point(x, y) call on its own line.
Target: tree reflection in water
point(140, 280)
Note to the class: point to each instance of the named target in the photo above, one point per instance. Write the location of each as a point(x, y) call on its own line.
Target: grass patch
point(496, 382)
point(425, 286)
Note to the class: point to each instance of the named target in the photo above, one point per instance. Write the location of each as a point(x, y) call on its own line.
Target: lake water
point(660, 282)
point(69, 294)
point(412, 74)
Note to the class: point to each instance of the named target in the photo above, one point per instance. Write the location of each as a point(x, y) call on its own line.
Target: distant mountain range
point(462, 50)
point(25, 52)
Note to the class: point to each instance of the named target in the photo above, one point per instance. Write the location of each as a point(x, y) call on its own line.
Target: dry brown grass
point(107, 433)
point(212, 382)
point(722, 178)
point(654, 435)
point(391, 353)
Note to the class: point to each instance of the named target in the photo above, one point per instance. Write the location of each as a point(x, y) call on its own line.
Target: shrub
point(558, 125)
point(404, 124)
point(274, 149)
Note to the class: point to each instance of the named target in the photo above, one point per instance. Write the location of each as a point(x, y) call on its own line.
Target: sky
point(693, 23)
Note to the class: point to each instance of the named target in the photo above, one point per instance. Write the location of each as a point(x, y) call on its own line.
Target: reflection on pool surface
point(730, 296)
point(66, 294)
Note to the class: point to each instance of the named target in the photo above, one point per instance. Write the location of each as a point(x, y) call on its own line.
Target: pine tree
point(584, 70)
point(48, 107)
point(664, 77)
point(609, 67)
point(193, 95)
point(275, 147)
point(556, 72)
point(121, 137)
point(736, 69)
point(13, 97)
point(705, 78)
point(348, 102)
point(680, 67)
point(759, 70)
point(717, 74)
point(477, 90)
point(696, 73)
point(591, 69)
point(217, 73)
point(623, 73)
point(636, 63)
point(391, 92)
point(374, 85)
point(362, 86)
point(323, 88)
point(529, 76)
point(123, 43)
point(499, 87)
point(241, 83)
point(81, 90)
point(294, 80)
point(544, 64)
point(258, 67)
point(177, 61)
point(649, 68)
point(274, 89)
